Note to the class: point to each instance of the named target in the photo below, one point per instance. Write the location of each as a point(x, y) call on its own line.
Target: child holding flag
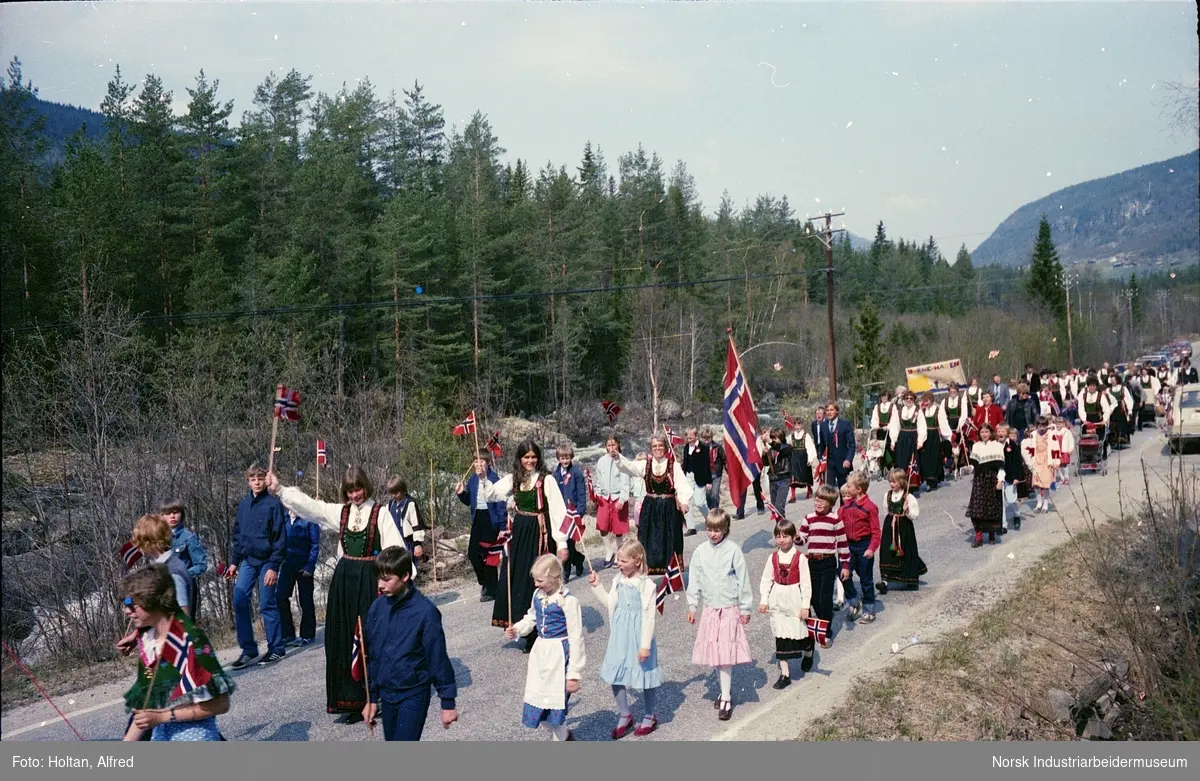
point(573, 487)
point(899, 559)
point(631, 661)
point(557, 658)
point(720, 578)
point(785, 593)
point(180, 688)
point(406, 653)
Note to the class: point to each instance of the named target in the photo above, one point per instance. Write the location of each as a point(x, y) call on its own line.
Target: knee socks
point(725, 674)
point(559, 733)
point(622, 697)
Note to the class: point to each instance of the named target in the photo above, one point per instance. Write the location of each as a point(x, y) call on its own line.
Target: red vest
point(789, 576)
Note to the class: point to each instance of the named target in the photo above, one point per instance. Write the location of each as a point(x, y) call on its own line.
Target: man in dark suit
point(1032, 379)
point(697, 466)
point(838, 446)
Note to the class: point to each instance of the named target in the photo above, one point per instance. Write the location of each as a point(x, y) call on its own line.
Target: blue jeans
point(713, 497)
point(250, 573)
point(404, 720)
point(865, 569)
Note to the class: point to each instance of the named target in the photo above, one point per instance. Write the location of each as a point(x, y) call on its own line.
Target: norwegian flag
point(612, 410)
point(591, 488)
point(466, 427)
point(742, 458)
point(572, 524)
point(672, 437)
point(287, 403)
point(818, 628)
point(321, 460)
point(493, 550)
point(788, 422)
point(775, 514)
point(130, 554)
point(179, 652)
point(822, 468)
point(493, 444)
point(660, 595)
point(674, 576)
point(357, 660)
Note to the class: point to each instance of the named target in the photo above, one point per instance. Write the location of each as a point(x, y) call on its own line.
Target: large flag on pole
point(742, 459)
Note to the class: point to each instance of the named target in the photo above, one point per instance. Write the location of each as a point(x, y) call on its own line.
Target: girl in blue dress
point(631, 661)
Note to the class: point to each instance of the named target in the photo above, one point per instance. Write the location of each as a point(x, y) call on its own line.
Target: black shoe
point(741, 515)
point(689, 533)
point(243, 661)
point(761, 511)
point(914, 586)
point(783, 682)
point(881, 588)
point(270, 659)
point(806, 663)
point(486, 597)
point(352, 718)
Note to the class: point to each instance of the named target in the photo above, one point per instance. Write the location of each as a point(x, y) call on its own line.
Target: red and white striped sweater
point(825, 535)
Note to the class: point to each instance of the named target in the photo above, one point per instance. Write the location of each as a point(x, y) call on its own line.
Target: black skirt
point(986, 506)
point(933, 468)
point(905, 450)
point(899, 559)
point(353, 588)
point(802, 475)
point(660, 531)
point(789, 648)
point(529, 540)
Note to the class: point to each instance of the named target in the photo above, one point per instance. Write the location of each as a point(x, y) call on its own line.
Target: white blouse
point(894, 425)
point(684, 488)
point(329, 515)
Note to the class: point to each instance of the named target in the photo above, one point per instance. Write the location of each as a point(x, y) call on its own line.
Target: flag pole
point(432, 523)
point(475, 431)
point(508, 568)
point(362, 642)
point(318, 496)
point(274, 429)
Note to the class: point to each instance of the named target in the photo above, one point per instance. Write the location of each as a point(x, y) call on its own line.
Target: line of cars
point(1183, 410)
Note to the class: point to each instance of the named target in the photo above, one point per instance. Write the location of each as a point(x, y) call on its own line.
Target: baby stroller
point(1091, 450)
point(873, 458)
point(1148, 414)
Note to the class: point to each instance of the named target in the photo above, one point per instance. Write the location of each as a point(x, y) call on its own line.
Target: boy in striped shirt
point(828, 552)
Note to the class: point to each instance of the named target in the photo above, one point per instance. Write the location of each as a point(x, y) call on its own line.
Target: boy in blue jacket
point(259, 545)
point(573, 487)
point(303, 550)
point(190, 549)
point(406, 653)
point(487, 520)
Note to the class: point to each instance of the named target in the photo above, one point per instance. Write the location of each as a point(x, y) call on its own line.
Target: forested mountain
point(1137, 216)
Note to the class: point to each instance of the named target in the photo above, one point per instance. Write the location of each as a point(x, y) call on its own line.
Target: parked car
point(1183, 418)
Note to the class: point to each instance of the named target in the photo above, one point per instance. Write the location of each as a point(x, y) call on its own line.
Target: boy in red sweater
point(861, 519)
point(823, 533)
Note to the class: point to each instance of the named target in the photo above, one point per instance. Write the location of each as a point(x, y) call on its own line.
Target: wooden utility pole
point(827, 239)
point(1067, 282)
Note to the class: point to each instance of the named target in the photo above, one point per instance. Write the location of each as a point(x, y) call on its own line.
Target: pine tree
point(870, 362)
point(1046, 272)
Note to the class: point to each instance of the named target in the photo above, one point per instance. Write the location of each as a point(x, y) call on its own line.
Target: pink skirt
point(721, 640)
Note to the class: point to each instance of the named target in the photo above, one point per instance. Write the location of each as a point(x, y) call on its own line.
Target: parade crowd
point(384, 644)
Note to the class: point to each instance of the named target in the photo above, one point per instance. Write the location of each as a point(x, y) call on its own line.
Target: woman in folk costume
point(988, 412)
point(536, 516)
point(804, 458)
point(1049, 399)
point(881, 424)
point(180, 688)
point(958, 409)
point(899, 559)
point(555, 622)
point(1120, 420)
point(933, 466)
point(668, 491)
point(986, 506)
point(1041, 461)
point(907, 433)
point(1151, 387)
point(365, 527)
point(974, 395)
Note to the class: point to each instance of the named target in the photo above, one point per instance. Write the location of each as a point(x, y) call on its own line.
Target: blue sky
point(939, 119)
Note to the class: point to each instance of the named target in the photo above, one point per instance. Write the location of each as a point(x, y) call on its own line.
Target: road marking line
point(57, 719)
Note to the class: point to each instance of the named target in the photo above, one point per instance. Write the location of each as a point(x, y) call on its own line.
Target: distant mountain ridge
point(1137, 217)
point(62, 122)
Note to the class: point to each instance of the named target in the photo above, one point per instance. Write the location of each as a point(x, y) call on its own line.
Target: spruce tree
point(1135, 298)
point(1046, 272)
point(870, 363)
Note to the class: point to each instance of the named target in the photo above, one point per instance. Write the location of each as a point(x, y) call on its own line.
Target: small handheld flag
point(788, 422)
point(493, 444)
point(321, 460)
point(466, 427)
point(572, 524)
point(611, 410)
point(660, 596)
point(357, 663)
point(130, 554)
point(672, 437)
point(591, 488)
point(775, 514)
point(818, 628)
point(493, 550)
point(674, 576)
point(287, 403)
